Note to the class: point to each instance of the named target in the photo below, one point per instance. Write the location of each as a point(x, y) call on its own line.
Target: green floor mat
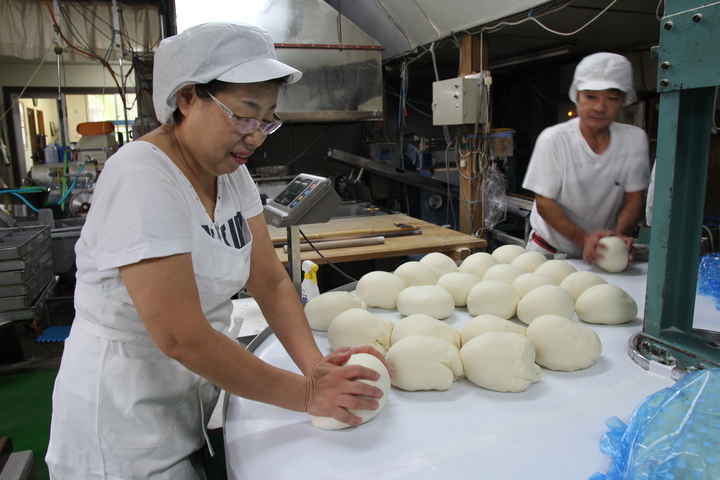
point(25, 408)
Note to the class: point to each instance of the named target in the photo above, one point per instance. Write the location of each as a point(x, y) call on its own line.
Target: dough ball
point(424, 363)
point(416, 273)
point(527, 282)
point(607, 304)
point(428, 299)
point(564, 345)
point(383, 383)
point(322, 309)
point(503, 272)
point(556, 269)
point(577, 282)
point(439, 262)
point(478, 263)
point(507, 253)
point(500, 361)
point(357, 327)
point(459, 285)
point(493, 297)
point(488, 323)
point(614, 256)
point(545, 300)
point(529, 261)
point(380, 289)
point(421, 324)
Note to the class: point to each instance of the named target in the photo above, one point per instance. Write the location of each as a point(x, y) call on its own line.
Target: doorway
point(36, 123)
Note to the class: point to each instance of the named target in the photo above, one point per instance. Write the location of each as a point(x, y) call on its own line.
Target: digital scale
point(307, 199)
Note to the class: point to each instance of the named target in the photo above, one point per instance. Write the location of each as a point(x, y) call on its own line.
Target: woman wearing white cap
point(589, 173)
point(175, 230)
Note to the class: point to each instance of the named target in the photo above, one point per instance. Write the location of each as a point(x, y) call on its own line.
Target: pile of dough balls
point(492, 350)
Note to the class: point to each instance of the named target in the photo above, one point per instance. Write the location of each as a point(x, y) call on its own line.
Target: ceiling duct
point(341, 65)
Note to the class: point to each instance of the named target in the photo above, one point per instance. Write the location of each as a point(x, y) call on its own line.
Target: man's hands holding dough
point(592, 250)
point(331, 391)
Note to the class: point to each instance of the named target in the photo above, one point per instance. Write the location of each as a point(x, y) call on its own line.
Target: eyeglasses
point(247, 125)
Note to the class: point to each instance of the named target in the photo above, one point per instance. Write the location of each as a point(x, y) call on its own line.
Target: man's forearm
point(630, 213)
point(556, 217)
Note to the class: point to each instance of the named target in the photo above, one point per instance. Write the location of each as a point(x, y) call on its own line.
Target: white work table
point(550, 431)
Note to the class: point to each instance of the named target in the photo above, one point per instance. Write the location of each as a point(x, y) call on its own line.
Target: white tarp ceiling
point(401, 26)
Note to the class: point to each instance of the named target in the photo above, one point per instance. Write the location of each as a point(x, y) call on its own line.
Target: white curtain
point(26, 29)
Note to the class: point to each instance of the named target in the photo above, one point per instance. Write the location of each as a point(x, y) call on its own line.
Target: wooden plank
point(473, 59)
point(433, 239)
point(473, 54)
point(330, 244)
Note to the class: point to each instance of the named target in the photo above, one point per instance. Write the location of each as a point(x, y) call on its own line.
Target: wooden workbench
point(433, 239)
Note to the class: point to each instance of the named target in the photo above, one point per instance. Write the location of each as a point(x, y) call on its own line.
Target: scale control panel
point(307, 199)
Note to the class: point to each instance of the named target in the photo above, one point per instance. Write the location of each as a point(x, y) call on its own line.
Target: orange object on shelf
point(95, 128)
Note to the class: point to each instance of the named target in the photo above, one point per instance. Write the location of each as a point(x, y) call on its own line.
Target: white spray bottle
point(309, 284)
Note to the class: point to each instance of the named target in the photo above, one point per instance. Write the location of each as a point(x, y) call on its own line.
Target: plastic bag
point(709, 277)
point(493, 198)
point(672, 434)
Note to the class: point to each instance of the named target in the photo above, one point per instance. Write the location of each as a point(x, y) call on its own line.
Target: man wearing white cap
point(175, 231)
point(589, 173)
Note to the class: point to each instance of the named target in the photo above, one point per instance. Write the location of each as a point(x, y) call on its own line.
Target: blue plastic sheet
point(673, 434)
point(709, 277)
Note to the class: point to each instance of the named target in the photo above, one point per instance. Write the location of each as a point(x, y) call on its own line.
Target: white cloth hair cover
point(228, 51)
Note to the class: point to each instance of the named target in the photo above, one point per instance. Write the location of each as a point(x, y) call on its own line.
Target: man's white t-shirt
point(589, 187)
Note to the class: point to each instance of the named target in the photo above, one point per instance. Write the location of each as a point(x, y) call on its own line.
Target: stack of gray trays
point(26, 271)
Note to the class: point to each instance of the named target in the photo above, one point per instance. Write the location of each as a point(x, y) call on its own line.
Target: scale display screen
point(296, 191)
point(307, 199)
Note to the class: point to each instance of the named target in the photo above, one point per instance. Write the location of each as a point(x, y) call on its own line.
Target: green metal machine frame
point(689, 71)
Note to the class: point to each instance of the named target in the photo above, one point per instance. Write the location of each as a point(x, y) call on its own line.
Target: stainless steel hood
point(341, 65)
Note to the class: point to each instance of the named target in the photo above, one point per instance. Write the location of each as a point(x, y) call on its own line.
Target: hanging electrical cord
point(409, 102)
point(533, 15)
point(657, 11)
point(450, 209)
point(74, 31)
point(530, 17)
point(325, 259)
point(124, 33)
point(88, 54)
point(27, 84)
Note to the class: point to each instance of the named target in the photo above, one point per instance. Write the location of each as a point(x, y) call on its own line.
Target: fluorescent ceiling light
point(555, 52)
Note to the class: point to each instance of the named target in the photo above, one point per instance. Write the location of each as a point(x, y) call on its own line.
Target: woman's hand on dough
point(590, 249)
point(341, 355)
point(332, 391)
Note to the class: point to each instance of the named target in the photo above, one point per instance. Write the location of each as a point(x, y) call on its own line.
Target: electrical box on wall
point(461, 100)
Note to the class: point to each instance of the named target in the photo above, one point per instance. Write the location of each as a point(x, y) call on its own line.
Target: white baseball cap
point(232, 52)
point(602, 71)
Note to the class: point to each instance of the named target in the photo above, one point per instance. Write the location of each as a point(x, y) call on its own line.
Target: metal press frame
point(687, 76)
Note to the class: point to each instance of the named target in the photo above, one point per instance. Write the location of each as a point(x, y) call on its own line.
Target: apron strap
point(112, 334)
point(203, 423)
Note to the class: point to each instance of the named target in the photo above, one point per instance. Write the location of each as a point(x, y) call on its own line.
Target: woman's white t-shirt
point(121, 408)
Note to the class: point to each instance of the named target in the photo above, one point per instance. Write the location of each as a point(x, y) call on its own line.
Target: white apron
point(121, 408)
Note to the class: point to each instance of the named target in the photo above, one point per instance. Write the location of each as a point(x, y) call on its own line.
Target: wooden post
point(473, 59)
